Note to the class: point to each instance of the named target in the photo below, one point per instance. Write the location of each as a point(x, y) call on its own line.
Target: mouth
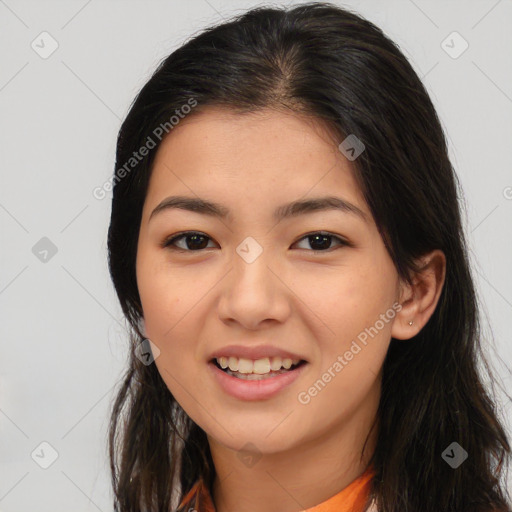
point(259, 369)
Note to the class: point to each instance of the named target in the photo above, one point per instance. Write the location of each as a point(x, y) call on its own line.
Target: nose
point(254, 294)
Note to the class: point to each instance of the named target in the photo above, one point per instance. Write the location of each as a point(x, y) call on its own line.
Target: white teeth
point(287, 363)
point(276, 363)
point(245, 365)
point(258, 367)
point(261, 366)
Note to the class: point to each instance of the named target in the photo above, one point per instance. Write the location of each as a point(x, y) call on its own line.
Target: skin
point(294, 296)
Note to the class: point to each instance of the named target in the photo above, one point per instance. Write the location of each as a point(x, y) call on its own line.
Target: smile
point(248, 379)
point(255, 369)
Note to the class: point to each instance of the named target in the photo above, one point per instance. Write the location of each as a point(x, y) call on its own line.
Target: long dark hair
point(321, 60)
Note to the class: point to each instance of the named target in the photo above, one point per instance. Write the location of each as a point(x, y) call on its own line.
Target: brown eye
point(191, 241)
point(322, 241)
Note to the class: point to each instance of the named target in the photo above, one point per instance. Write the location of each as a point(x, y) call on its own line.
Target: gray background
point(62, 334)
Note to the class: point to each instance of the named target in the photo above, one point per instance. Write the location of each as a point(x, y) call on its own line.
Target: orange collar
point(352, 498)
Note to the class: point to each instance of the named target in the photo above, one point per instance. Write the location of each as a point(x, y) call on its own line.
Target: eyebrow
point(293, 209)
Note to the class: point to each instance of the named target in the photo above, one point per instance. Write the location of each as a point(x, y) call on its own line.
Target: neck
point(299, 478)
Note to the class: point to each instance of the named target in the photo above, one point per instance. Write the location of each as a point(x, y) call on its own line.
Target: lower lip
point(254, 389)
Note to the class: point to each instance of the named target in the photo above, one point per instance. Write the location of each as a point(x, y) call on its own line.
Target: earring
point(411, 322)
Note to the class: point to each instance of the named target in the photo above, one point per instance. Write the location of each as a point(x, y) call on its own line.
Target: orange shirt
point(351, 499)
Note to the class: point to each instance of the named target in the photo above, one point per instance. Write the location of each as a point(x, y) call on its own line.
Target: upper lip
point(254, 353)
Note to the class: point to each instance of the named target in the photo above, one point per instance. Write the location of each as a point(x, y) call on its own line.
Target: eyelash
point(169, 241)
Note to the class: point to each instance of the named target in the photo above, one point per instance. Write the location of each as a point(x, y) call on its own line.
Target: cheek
point(355, 309)
point(164, 293)
point(172, 302)
point(169, 311)
point(342, 299)
point(352, 352)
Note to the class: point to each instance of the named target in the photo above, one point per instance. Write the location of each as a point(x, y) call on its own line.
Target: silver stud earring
point(411, 322)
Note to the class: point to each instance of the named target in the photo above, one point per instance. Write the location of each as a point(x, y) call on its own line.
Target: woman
point(286, 244)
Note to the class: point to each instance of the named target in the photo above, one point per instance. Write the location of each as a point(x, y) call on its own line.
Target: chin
point(248, 437)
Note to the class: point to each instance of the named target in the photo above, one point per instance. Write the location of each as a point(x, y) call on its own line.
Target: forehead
point(219, 130)
point(264, 157)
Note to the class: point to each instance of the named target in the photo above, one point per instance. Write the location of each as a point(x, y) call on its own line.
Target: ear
point(420, 299)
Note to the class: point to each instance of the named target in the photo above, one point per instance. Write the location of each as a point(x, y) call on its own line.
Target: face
point(261, 283)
